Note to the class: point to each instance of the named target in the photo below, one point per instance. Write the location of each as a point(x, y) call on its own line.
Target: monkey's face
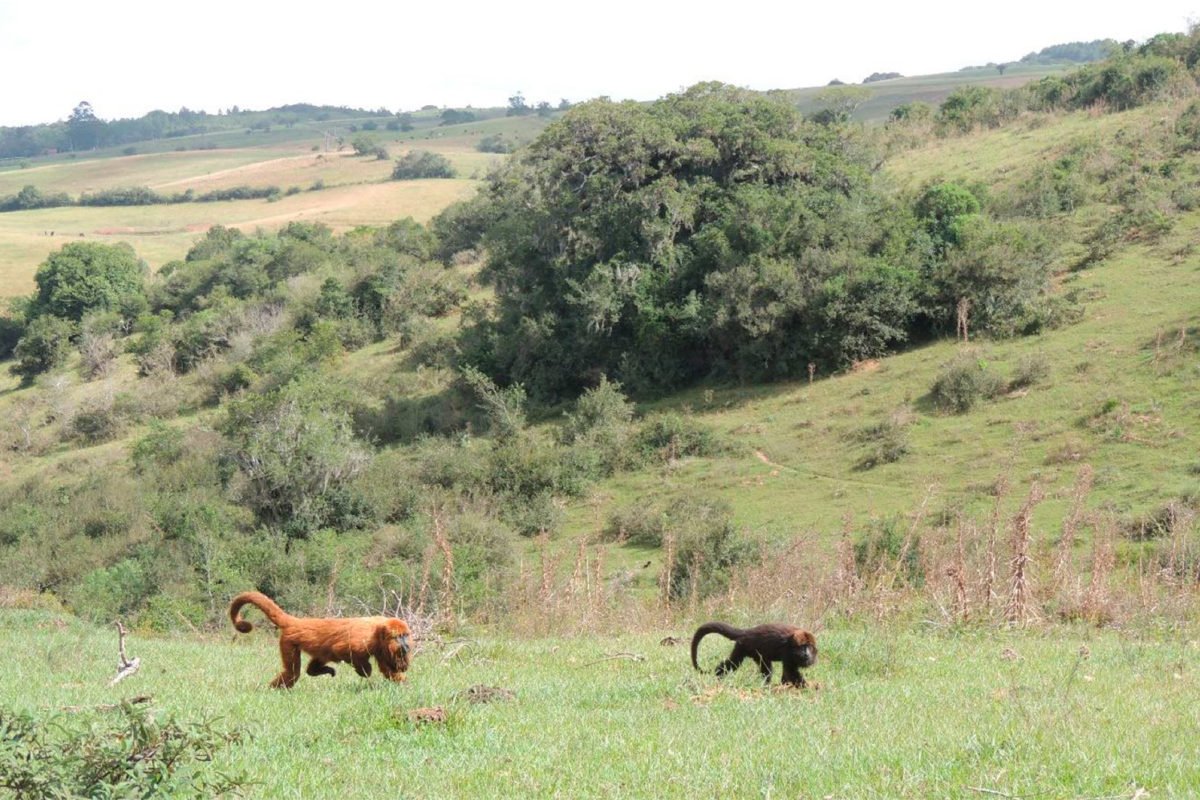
point(806, 648)
point(400, 643)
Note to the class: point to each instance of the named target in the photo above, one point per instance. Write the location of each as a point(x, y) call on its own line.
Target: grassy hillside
point(932, 89)
point(1115, 392)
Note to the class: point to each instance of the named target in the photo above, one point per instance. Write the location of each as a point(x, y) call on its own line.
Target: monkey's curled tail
point(728, 631)
point(277, 615)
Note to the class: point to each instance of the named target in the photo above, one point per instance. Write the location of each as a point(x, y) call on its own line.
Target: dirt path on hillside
point(811, 473)
point(248, 169)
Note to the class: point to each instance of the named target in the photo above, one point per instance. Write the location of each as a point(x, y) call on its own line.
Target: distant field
point(357, 189)
point(165, 232)
point(932, 89)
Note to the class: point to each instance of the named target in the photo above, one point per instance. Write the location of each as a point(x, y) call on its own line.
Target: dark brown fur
point(353, 640)
point(794, 647)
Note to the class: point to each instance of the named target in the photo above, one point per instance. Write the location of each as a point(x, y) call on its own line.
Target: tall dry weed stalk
point(668, 572)
point(446, 600)
point(847, 582)
point(958, 570)
point(991, 563)
point(1096, 599)
point(1062, 558)
point(1019, 610)
point(1179, 568)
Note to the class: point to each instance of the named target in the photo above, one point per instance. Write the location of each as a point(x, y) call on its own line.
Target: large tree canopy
point(87, 276)
point(711, 232)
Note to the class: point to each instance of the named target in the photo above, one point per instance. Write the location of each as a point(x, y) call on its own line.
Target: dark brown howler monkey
point(776, 641)
point(354, 640)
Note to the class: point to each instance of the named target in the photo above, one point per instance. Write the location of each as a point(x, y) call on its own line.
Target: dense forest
point(715, 235)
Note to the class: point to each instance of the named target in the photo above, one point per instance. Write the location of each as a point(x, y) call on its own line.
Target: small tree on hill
point(422, 164)
point(363, 145)
point(46, 343)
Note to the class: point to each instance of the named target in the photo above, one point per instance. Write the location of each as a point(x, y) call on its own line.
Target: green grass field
point(891, 713)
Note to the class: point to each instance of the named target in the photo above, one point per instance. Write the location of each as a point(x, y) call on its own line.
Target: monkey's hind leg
point(318, 667)
point(290, 654)
point(733, 662)
point(765, 667)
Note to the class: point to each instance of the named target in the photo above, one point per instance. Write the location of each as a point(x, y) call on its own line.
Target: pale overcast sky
point(127, 58)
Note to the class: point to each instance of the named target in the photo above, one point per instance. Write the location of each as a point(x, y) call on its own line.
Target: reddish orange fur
point(353, 640)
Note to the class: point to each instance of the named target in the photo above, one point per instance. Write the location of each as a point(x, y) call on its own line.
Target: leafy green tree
point(84, 128)
point(1003, 269)
point(970, 106)
point(364, 144)
point(88, 276)
point(44, 345)
point(837, 103)
point(944, 208)
point(517, 107)
point(659, 243)
point(418, 164)
point(454, 116)
point(334, 302)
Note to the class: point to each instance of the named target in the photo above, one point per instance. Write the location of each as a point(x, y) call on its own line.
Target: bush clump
point(419, 164)
point(132, 752)
point(963, 382)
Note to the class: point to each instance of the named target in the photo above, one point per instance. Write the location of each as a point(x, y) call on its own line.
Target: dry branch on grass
point(125, 667)
point(614, 657)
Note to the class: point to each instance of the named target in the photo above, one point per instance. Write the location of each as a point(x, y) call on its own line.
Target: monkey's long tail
point(728, 631)
point(277, 615)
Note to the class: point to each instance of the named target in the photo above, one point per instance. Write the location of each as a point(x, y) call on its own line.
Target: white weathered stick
point(125, 667)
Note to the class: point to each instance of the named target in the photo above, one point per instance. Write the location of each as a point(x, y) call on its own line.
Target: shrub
point(1187, 127)
point(640, 524)
point(45, 344)
point(160, 447)
point(131, 752)
point(419, 164)
point(95, 425)
point(1030, 371)
point(496, 143)
point(504, 407)
point(483, 551)
point(963, 382)
point(668, 436)
point(363, 145)
point(885, 545)
point(132, 196)
point(297, 450)
point(887, 441)
point(238, 193)
point(602, 425)
point(97, 351)
point(708, 546)
point(111, 592)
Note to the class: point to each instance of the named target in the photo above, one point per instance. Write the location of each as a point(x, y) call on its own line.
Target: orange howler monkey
point(352, 640)
point(795, 647)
